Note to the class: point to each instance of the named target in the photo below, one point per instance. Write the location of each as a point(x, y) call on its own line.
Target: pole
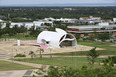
point(50, 53)
point(75, 58)
point(12, 51)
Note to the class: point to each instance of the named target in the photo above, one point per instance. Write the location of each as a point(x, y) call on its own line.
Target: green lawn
point(109, 50)
point(80, 59)
point(6, 66)
point(104, 45)
point(81, 53)
point(70, 62)
point(22, 37)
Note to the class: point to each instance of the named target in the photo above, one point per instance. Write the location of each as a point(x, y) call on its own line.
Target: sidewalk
point(15, 73)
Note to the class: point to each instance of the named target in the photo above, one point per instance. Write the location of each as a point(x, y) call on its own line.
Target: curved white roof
point(1, 20)
point(53, 38)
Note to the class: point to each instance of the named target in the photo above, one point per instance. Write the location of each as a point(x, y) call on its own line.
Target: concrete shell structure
point(59, 39)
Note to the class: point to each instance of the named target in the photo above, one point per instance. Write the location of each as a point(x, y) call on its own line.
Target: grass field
point(109, 49)
point(104, 45)
point(19, 36)
point(5, 66)
point(81, 53)
point(60, 61)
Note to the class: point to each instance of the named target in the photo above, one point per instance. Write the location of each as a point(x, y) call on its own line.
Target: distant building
point(104, 23)
point(84, 18)
point(3, 17)
point(85, 21)
point(90, 18)
point(49, 19)
point(70, 9)
point(101, 28)
point(2, 24)
point(63, 20)
point(28, 25)
point(95, 18)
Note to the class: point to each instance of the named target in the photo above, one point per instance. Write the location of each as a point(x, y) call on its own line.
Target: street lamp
point(75, 47)
point(50, 51)
point(12, 51)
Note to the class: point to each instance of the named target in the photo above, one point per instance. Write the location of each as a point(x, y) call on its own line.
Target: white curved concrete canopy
point(55, 39)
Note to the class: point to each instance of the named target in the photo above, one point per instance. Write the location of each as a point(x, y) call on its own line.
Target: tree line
point(15, 13)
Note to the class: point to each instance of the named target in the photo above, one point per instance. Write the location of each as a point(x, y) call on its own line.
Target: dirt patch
point(8, 47)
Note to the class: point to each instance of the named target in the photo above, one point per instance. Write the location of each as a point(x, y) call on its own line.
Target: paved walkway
point(101, 56)
point(15, 73)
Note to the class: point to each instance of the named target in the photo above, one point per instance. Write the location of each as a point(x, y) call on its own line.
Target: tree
point(104, 36)
point(92, 55)
point(1, 33)
point(32, 54)
point(40, 51)
point(35, 33)
point(47, 24)
point(77, 36)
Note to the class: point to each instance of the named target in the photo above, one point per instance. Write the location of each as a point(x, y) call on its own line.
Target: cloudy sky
point(15, 2)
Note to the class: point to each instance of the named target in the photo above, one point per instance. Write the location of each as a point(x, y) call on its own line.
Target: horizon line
point(64, 4)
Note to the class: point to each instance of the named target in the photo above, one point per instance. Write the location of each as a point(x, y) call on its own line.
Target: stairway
point(4, 56)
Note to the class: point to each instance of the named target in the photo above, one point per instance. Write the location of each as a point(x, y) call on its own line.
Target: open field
point(9, 47)
point(5, 66)
point(60, 61)
point(19, 36)
point(81, 53)
point(109, 48)
point(104, 45)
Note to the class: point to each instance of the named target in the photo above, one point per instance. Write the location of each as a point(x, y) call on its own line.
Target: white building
point(104, 23)
point(59, 39)
point(95, 18)
point(2, 24)
point(28, 25)
point(92, 28)
point(49, 19)
point(90, 18)
point(64, 20)
point(19, 24)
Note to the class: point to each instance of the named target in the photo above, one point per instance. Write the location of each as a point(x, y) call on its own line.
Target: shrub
point(110, 60)
point(84, 72)
point(20, 55)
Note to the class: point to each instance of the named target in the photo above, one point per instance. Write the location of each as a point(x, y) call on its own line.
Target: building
point(101, 28)
point(90, 18)
point(2, 24)
point(3, 17)
point(58, 39)
point(85, 21)
point(28, 25)
point(63, 20)
point(95, 18)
